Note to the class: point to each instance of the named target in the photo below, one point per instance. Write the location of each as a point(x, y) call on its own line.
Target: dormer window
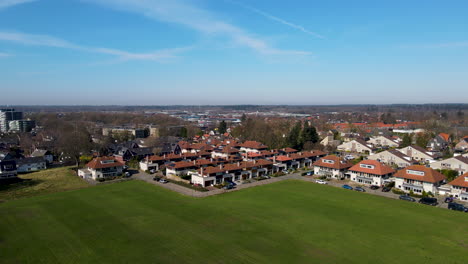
point(107, 161)
point(329, 161)
point(415, 172)
point(466, 179)
point(367, 166)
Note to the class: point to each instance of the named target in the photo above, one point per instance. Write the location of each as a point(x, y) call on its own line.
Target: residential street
point(335, 183)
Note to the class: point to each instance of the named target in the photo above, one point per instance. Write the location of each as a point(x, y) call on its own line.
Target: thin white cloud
point(458, 44)
point(10, 3)
point(182, 13)
point(49, 41)
point(275, 18)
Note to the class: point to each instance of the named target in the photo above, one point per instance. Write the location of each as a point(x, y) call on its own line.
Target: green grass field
point(285, 222)
point(42, 182)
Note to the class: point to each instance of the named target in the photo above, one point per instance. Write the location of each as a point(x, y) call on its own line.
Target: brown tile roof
point(210, 170)
point(461, 181)
point(283, 158)
point(253, 145)
point(338, 163)
point(430, 175)
point(289, 150)
point(181, 165)
point(103, 162)
point(379, 168)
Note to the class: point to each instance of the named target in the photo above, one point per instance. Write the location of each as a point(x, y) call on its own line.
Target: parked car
point(386, 189)
point(457, 207)
point(310, 173)
point(127, 174)
point(347, 187)
point(349, 157)
point(428, 201)
point(374, 187)
point(228, 187)
point(266, 177)
point(407, 198)
point(285, 171)
point(125, 167)
point(152, 171)
point(360, 189)
point(448, 200)
point(321, 182)
point(156, 179)
point(163, 181)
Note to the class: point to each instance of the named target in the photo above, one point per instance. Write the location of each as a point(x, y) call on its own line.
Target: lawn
point(284, 222)
point(42, 182)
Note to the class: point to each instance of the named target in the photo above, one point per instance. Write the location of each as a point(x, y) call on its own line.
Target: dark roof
point(29, 160)
point(40, 153)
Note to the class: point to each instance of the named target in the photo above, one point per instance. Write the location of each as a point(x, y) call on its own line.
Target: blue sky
point(153, 52)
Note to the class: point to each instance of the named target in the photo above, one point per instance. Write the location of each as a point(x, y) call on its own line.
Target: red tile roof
point(430, 175)
point(104, 162)
point(338, 163)
point(461, 181)
point(289, 150)
point(379, 168)
point(181, 165)
point(253, 145)
point(283, 158)
point(445, 136)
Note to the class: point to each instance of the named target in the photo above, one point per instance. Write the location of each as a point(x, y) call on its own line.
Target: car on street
point(428, 201)
point(448, 200)
point(285, 171)
point(127, 174)
point(310, 173)
point(163, 181)
point(152, 171)
point(386, 189)
point(228, 187)
point(125, 167)
point(374, 187)
point(347, 187)
point(156, 179)
point(321, 182)
point(457, 207)
point(349, 157)
point(407, 198)
point(360, 189)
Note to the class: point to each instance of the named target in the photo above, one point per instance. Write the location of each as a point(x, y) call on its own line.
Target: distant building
point(7, 115)
point(30, 164)
point(22, 125)
point(136, 132)
point(7, 166)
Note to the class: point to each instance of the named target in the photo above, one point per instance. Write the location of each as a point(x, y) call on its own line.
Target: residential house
point(30, 164)
point(102, 167)
point(439, 143)
point(418, 178)
point(47, 155)
point(392, 158)
point(224, 152)
point(417, 153)
point(329, 140)
point(462, 146)
point(371, 172)
point(332, 166)
point(458, 163)
point(252, 146)
point(7, 166)
point(180, 168)
point(383, 141)
point(459, 187)
point(357, 146)
point(207, 176)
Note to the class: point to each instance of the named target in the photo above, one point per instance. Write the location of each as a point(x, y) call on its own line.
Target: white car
point(321, 182)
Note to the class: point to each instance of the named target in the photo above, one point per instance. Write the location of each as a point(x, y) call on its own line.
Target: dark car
point(228, 187)
point(347, 187)
point(457, 207)
point(448, 200)
point(407, 198)
point(156, 179)
point(428, 201)
point(374, 187)
point(360, 189)
point(386, 189)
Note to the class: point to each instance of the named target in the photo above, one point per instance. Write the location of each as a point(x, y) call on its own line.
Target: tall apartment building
point(7, 115)
point(22, 125)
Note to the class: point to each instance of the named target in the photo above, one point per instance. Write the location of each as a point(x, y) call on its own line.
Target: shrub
point(398, 191)
point(101, 179)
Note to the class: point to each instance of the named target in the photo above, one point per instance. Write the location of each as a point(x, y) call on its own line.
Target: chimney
point(194, 162)
point(255, 161)
point(201, 171)
point(211, 159)
point(238, 164)
point(274, 158)
point(220, 166)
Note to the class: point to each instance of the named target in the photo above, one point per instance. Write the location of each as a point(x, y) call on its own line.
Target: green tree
point(294, 137)
point(407, 140)
point(183, 132)
point(309, 134)
point(222, 128)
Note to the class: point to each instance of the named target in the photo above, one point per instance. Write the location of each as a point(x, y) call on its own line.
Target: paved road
point(335, 183)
